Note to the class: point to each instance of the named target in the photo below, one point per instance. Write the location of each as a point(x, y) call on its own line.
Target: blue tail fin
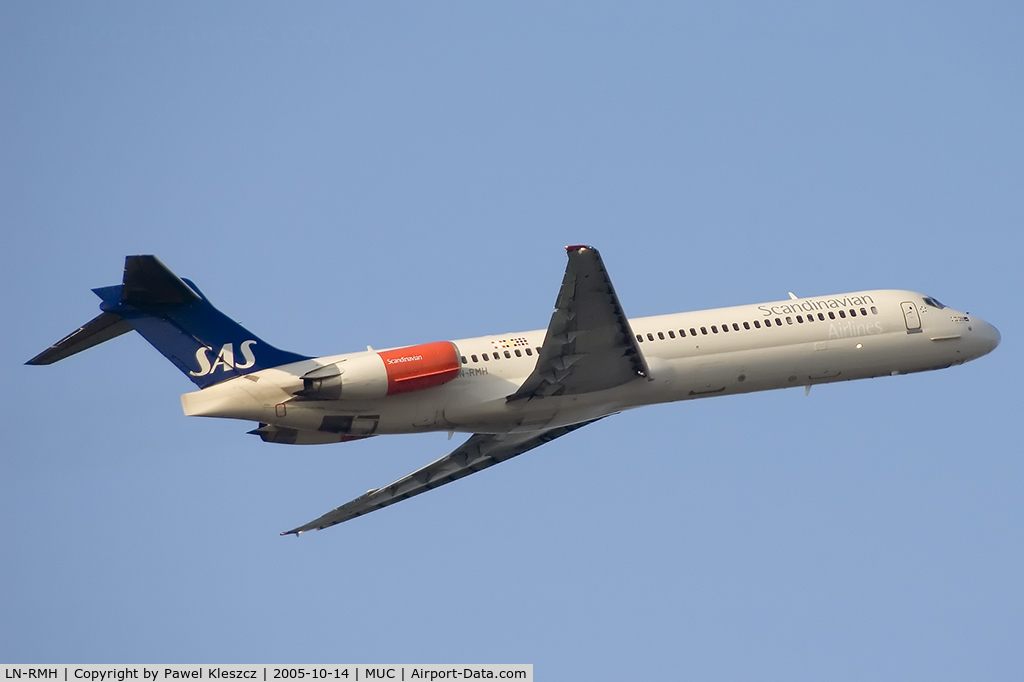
point(174, 316)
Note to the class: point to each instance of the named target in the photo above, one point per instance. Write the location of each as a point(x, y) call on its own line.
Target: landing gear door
point(912, 317)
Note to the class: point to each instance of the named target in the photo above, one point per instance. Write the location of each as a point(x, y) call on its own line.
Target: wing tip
point(579, 247)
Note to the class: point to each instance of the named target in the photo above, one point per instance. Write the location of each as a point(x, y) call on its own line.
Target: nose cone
point(982, 337)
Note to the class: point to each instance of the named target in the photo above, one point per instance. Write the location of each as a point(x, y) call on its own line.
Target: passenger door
point(912, 317)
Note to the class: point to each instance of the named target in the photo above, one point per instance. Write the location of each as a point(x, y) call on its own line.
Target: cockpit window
point(934, 302)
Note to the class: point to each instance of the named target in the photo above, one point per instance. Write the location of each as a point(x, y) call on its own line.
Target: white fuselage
point(797, 342)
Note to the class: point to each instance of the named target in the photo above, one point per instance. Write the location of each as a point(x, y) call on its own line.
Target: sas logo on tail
point(225, 358)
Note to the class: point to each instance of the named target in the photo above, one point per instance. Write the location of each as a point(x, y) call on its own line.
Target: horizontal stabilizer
point(102, 328)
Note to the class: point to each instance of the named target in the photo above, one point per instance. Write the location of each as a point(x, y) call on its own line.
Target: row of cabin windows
point(693, 332)
point(757, 324)
point(496, 356)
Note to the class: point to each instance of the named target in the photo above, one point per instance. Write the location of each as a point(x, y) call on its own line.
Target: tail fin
point(174, 316)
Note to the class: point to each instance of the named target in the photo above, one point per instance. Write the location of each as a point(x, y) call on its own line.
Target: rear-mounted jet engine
point(376, 374)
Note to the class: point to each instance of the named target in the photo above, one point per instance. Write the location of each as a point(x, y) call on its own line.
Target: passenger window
point(853, 313)
point(874, 310)
point(704, 330)
point(863, 312)
point(693, 332)
point(671, 334)
point(735, 327)
point(757, 324)
point(800, 319)
point(508, 355)
point(639, 338)
point(464, 361)
point(518, 353)
point(725, 327)
point(842, 314)
point(538, 350)
point(714, 329)
point(767, 323)
point(529, 351)
point(485, 357)
point(778, 321)
point(474, 358)
point(831, 315)
point(650, 337)
point(789, 320)
point(821, 316)
point(661, 336)
point(682, 333)
point(746, 325)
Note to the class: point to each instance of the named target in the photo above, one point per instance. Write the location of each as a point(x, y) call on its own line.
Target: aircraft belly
point(500, 416)
point(503, 416)
point(761, 369)
point(339, 417)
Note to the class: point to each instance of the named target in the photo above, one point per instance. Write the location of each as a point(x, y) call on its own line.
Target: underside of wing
point(589, 344)
point(477, 453)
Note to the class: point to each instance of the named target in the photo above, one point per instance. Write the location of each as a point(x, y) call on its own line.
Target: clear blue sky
point(337, 175)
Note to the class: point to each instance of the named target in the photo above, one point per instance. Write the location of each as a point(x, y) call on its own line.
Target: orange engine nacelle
point(422, 366)
point(380, 373)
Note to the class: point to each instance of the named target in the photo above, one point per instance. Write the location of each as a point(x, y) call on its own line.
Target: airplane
point(519, 390)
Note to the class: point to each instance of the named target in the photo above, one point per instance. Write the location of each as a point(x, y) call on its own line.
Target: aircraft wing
point(589, 344)
point(482, 450)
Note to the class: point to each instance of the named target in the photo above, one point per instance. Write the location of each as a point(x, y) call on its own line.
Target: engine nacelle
point(381, 373)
